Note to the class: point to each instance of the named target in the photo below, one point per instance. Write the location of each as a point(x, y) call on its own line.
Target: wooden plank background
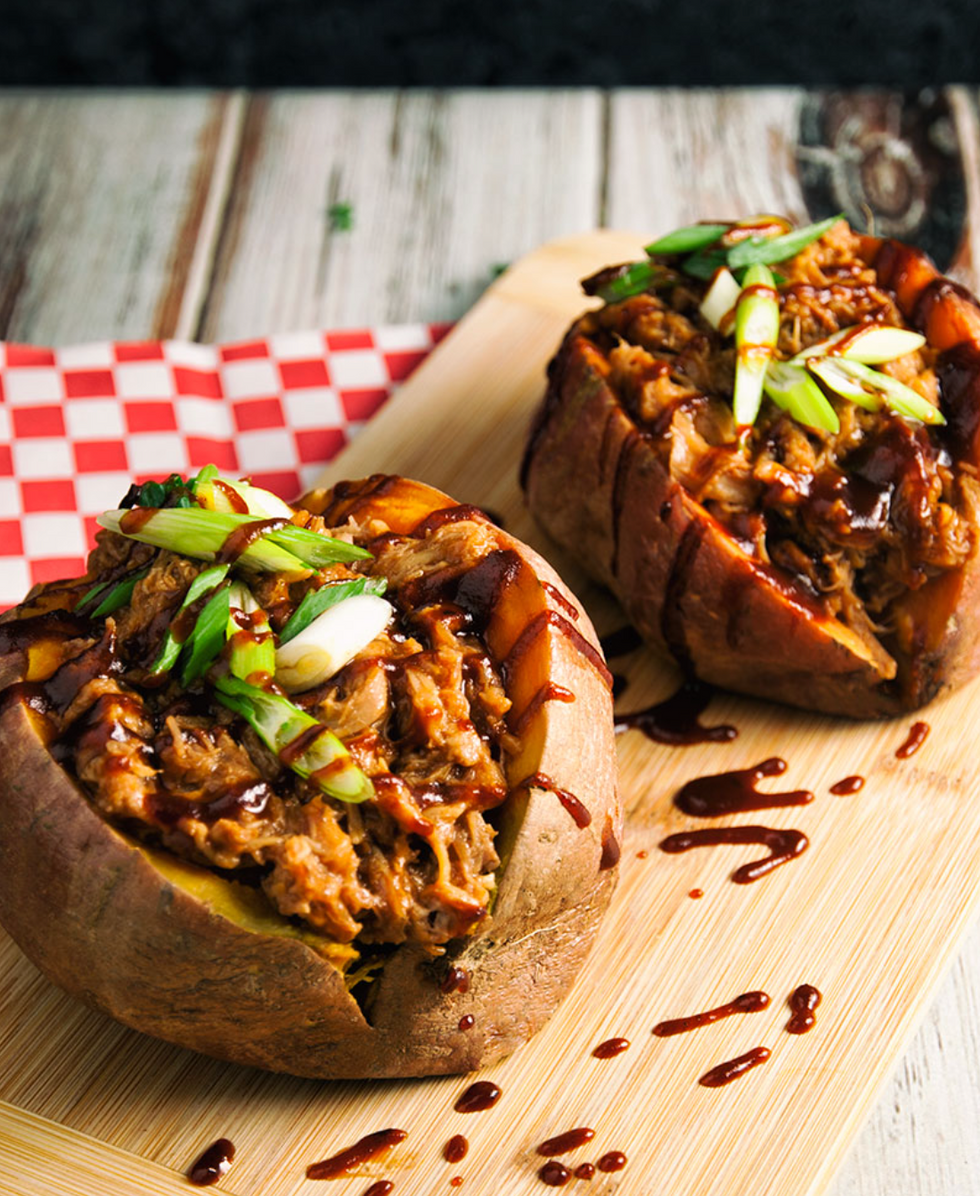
point(207, 216)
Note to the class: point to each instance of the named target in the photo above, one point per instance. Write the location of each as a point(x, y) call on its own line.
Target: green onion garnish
point(765, 250)
point(756, 333)
point(253, 650)
point(279, 723)
point(202, 534)
point(205, 642)
point(91, 594)
point(720, 298)
point(626, 281)
point(870, 388)
point(205, 581)
point(119, 596)
point(792, 389)
point(870, 344)
point(687, 240)
point(315, 602)
point(705, 263)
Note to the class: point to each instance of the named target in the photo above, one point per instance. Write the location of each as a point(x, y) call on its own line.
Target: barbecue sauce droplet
point(724, 1073)
point(381, 1188)
point(584, 1171)
point(243, 537)
point(456, 980)
point(569, 1140)
point(611, 848)
point(456, 1181)
point(753, 1002)
point(847, 786)
point(484, 1094)
point(676, 720)
point(466, 1022)
point(614, 1160)
point(803, 1002)
point(368, 1147)
point(539, 780)
point(621, 642)
point(212, 1164)
point(735, 792)
point(611, 1048)
point(784, 845)
point(696, 894)
point(916, 738)
point(455, 1149)
point(554, 1174)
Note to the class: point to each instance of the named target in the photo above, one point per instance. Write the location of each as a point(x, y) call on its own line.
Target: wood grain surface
point(194, 214)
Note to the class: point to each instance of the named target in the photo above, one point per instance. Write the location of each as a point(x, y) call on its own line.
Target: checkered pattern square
point(77, 425)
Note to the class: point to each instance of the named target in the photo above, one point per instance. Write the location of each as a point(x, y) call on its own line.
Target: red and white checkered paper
point(78, 425)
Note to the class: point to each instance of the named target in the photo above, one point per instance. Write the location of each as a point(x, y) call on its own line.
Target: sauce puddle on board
point(484, 1094)
point(803, 1002)
point(568, 1141)
point(753, 1002)
point(916, 738)
point(847, 786)
point(676, 720)
point(784, 845)
point(212, 1164)
point(366, 1148)
point(732, 1069)
point(455, 1149)
point(735, 792)
point(611, 1048)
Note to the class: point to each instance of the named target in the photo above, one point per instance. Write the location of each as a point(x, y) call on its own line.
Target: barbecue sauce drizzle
point(383, 1187)
point(455, 1149)
point(484, 1094)
point(751, 1002)
point(368, 1147)
point(579, 814)
point(847, 786)
point(563, 1143)
point(784, 845)
point(735, 792)
point(212, 1164)
point(916, 738)
point(611, 1048)
point(676, 720)
point(803, 1002)
point(732, 1069)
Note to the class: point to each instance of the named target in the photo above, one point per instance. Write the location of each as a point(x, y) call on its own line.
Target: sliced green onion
point(91, 594)
point(629, 280)
point(205, 642)
point(687, 240)
point(253, 649)
point(705, 263)
point(213, 494)
point(870, 388)
point(720, 298)
point(870, 344)
point(120, 595)
point(202, 534)
point(792, 389)
point(278, 723)
point(205, 581)
point(756, 333)
point(765, 250)
point(315, 549)
point(315, 602)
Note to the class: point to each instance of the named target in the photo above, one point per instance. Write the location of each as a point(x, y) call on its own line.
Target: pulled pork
point(858, 516)
point(422, 710)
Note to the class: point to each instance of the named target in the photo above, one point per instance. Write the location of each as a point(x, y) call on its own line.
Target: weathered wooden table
point(214, 217)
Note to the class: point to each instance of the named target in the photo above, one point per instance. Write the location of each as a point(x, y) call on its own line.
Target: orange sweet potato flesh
point(165, 948)
point(689, 587)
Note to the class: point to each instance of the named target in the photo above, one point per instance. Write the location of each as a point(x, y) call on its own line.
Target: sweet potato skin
point(101, 921)
point(596, 486)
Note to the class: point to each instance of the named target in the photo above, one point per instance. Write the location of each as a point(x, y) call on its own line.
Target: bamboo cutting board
point(870, 914)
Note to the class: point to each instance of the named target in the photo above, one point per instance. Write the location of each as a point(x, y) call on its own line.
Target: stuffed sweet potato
point(765, 443)
point(304, 788)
